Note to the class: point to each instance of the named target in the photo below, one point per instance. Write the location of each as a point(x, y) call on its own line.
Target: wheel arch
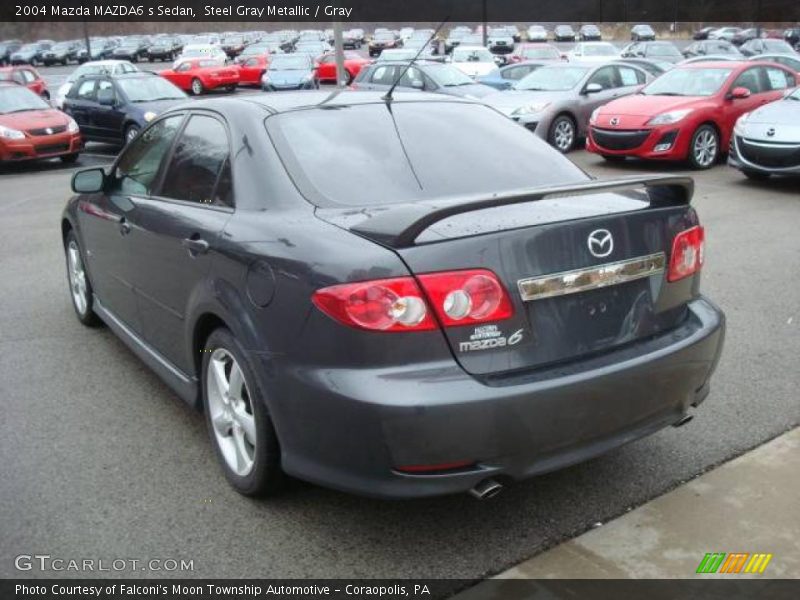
point(723, 142)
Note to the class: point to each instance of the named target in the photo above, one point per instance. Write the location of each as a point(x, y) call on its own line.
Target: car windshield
point(149, 89)
point(15, 99)
point(472, 55)
point(389, 153)
point(689, 82)
point(542, 52)
point(552, 79)
point(61, 46)
point(663, 50)
point(599, 50)
point(289, 63)
point(448, 76)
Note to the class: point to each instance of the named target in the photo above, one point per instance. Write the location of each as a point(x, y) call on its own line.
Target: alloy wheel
point(131, 134)
point(197, 87)
point(77, 278)
point(705, 148)
point(564, 135)
point(231, 412)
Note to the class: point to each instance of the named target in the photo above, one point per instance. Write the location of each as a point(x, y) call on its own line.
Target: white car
point(593, 52)
point(110, 67)
point(202, 51)
point(473, 61)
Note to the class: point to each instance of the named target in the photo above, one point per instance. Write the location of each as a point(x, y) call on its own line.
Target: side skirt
point(185, 386)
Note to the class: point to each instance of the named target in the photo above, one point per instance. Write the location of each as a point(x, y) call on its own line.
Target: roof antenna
point(388, 96)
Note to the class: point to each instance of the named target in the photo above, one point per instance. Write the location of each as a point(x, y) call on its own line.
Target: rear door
point(178, 228)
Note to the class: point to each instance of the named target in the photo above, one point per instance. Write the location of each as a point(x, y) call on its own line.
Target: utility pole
point(86, 39)
point(485, 24)
point(338, 47)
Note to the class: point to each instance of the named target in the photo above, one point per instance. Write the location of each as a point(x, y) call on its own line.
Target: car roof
point(319, 99)
point(715, 63)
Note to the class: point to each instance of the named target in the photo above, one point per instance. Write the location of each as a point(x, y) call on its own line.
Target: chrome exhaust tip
point(683, 420)
point(488, 488)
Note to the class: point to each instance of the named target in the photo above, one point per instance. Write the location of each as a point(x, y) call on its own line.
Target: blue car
point(114, 108)
point(290, 72)
point(504, 78)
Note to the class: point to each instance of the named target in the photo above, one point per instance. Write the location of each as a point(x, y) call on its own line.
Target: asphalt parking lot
point(101, 460)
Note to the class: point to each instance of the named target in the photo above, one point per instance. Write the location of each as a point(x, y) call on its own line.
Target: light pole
point(338, 48)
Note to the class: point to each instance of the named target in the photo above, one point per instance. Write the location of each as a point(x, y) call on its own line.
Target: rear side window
point(85, 90)
point(779, 79)
point(199, 170)
point(382, 156)
point(629, 76)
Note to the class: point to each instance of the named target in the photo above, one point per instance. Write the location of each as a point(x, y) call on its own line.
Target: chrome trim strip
point(771, 144)
point(581, 280)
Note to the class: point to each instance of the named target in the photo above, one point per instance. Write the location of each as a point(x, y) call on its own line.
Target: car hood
point(34, 119)
point(639, 105)
point(781, 119)
point(508, 102)
point(288, 77)
point(475, 69)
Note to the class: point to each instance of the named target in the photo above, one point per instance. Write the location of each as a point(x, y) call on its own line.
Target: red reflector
point(382, 305)
point(467, 297)
point(451, 466)
point(687, 253)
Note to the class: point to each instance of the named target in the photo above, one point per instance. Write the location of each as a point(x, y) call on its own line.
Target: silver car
point(556, 101)
point(766, 141)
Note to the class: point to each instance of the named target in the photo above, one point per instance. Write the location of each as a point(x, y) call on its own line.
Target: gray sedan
point(767, 141)
point(428, 76)
point(556, 101)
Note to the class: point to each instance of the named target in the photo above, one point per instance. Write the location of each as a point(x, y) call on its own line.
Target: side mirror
point(89, 181)
point(593, 88)
point(740, 93)
point(417, 85)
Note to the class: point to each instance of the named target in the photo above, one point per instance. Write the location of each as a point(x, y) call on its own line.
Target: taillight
point(382, 305)
point(467, 297)
point(398, 304)
point(687, 253)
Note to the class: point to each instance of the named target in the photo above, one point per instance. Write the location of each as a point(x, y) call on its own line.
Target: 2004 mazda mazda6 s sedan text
point(354, 307)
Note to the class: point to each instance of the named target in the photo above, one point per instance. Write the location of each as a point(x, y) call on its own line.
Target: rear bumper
point(349, 429)
point(40, 147)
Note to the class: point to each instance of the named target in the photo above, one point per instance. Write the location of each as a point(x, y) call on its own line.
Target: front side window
point(85, 90)
point(197, 170)
point(689, 82)
point(137, 169)
point(749, 80)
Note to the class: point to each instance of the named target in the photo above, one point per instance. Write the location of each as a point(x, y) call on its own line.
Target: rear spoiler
point(399, 225)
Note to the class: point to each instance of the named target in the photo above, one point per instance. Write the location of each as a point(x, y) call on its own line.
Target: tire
point(70, 159)
point(80, 287)
point(755, 175)
point(230, 88)
point(349, 78)
point(704, 148)
point(197, 87)
point(131, 131)
point(235, 414)
point(46, 96)
point(563, 133)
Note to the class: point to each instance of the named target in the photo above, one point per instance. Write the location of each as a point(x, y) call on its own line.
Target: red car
point(199, 75)
point(688, 113)
point(252, 68)
point(326, 66)
point(30, 129)
point(27, 76)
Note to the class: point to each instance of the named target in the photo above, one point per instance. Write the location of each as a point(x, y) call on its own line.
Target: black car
point(659, 51)
point(351, 305)
point(115, 108)
point(642, 33)
point(61, 53)
point(101, 49)
point(590, 33)
point(31, 54)
point(792, 37)
point(382, 40)
point(132, 49)
point(702, 33)
point(164, 49)
point(7, 48)
point(564, 33)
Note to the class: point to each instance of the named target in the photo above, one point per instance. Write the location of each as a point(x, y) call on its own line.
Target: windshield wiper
point(667, 94)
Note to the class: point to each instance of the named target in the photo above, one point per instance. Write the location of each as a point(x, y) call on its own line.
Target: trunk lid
point(547, 238)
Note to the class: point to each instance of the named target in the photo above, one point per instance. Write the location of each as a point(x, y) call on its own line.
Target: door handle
point(124, 226)
point(195, 245)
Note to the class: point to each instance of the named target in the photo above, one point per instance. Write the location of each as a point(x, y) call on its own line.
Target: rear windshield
point(415, 151)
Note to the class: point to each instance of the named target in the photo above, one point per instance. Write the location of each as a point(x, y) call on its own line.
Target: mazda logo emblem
point(600, 243)
point(614, 121)
point(771, 131)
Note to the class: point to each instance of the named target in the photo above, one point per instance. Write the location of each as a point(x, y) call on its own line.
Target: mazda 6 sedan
point(352, 306)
